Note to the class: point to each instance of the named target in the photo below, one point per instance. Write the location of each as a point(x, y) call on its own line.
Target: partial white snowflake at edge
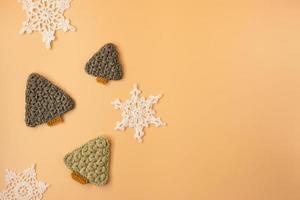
point(23, 185)
point(138, 113)
point(45, 16)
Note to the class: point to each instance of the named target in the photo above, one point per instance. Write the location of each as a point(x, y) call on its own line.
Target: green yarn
point(44, 101)
point(91, 160)
point(105, 63)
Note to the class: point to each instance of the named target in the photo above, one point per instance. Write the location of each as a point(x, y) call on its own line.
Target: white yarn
point(137, 113)
point(45, 16)
point(23, 186)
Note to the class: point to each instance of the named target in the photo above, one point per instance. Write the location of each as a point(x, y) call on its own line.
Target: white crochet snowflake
point(137, 113)
point(23, 186)
point(46, 16)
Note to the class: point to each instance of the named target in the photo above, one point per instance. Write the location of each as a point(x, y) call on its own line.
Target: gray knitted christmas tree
point(105, 64)
point(90, 162)
point(45, 102)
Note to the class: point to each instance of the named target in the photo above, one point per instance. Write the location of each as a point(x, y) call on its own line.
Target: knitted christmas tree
point(105, 64)
point(90, 162)
point(45, 102)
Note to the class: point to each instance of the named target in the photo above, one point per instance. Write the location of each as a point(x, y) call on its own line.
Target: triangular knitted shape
point(105, 63)
point(91, 161)
point(44, 101)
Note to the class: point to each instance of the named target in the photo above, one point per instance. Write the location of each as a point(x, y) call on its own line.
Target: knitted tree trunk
point(55, 121)
point(80, 179)
point(102, 80)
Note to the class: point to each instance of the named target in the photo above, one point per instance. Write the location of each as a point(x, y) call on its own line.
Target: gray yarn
point(44, 101)
point(105, 63)
point(91, 160)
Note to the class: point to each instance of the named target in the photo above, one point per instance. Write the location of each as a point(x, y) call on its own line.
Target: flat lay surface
point(229, 75)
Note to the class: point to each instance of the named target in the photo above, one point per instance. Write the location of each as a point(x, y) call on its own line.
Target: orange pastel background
point(229, 72)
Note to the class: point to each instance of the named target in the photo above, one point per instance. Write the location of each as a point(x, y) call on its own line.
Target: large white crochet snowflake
point(46, 16)
point(137, 113)
point(23, 186)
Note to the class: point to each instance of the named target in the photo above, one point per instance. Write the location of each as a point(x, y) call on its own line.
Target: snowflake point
point(33, 166)
point(140, 140)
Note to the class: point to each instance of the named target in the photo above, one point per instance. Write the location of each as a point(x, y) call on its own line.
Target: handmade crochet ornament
point(45, 102)
point(105, 64)
point(46, 16)
point(90, 162)
point(137, 113)
point(23, 186)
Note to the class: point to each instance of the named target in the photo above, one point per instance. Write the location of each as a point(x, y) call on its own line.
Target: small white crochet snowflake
point(45, 16)
point(23, 186)
point(137, 113)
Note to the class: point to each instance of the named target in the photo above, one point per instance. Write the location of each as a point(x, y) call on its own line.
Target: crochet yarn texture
point(44, 101)
point(138, 113)
point(105, 63)
point(46, 17)
point(23, 185)
point(91, 161)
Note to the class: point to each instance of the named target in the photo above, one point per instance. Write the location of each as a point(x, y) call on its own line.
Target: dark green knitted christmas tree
point(105, 64)
point(45, 102)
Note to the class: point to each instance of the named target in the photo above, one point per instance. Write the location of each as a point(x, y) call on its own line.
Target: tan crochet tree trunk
point(80, 179)
point(55, 121)
point(102, 80)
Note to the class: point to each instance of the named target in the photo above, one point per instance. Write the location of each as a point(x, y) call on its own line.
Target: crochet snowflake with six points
point(23, 186)
point(137, 113)
point(45, 16)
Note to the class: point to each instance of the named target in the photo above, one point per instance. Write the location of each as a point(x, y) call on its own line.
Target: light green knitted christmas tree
point(90, 162)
